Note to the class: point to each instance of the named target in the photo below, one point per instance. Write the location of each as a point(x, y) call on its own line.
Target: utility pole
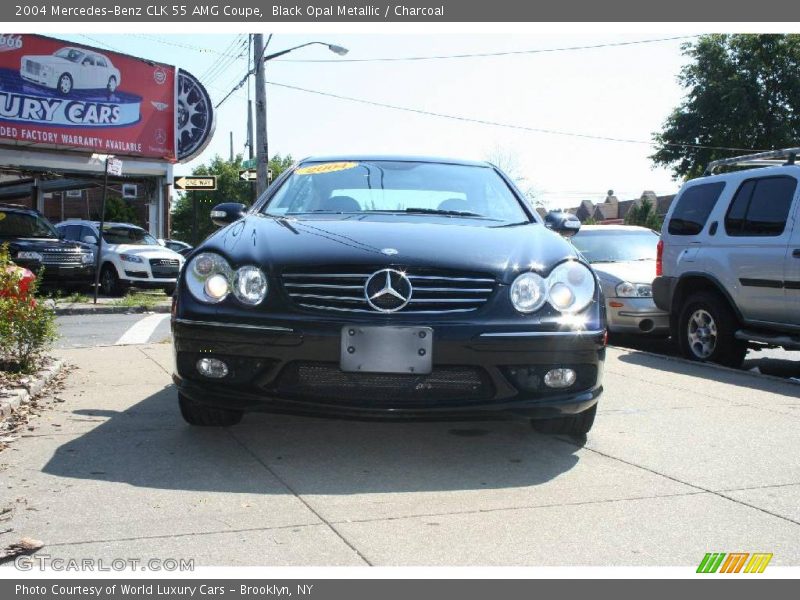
point(231, 146)
point(250, 144)
point(262, 157)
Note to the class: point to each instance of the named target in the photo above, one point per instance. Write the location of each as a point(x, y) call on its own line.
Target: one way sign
point(196, 183)
point(252, 175)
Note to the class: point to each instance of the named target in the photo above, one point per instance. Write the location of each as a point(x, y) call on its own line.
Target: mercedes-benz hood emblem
point(388, 290)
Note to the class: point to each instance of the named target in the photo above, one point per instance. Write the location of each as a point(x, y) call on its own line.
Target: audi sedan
point(399, 287)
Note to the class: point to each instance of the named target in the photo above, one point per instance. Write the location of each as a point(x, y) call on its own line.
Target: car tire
point(64, 84)
point(577, 424)
point(201, 415)
point(706, 331)
point(110, 285)
point(169, 290)
point(112, 85)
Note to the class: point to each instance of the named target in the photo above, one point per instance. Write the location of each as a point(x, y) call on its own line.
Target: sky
point(624, 92)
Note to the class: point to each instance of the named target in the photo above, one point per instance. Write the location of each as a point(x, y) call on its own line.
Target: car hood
point(146, 252)
point(459, 244)
point(635, 271)
point(46, 59)
point(42, 245)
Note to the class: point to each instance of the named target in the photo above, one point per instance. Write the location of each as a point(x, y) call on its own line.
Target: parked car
point(624, 258)
point(70, 69)
point(728, 266)
point(131, 256)
point(181, 248)
point(389, 287)
point(35, 244)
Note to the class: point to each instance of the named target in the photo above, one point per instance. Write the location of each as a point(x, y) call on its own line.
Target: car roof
point(97, 223)
point(617, 228)
point(396, 158)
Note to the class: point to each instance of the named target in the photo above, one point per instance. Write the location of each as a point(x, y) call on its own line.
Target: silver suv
point(728, 262)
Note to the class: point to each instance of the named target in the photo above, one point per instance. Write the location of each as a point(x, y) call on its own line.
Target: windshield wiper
point(436, 211)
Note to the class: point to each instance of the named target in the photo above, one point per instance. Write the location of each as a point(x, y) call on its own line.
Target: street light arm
point(332, 47)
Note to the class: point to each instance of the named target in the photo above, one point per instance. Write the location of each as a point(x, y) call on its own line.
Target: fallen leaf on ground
point(23, 546)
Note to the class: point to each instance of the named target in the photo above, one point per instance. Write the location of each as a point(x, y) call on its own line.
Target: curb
point(710, 365)
point(22, 395)
point(109, 310)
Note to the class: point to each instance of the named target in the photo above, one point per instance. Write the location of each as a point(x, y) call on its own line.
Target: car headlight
point(131, 258)
point(569, 288)
point(87, 258)
point(528, 292)
point(28, 255)
point(250, 285)
point(627, 289)
point(208, 277)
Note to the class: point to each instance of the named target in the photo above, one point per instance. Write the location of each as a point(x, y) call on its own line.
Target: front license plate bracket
point(389, 349)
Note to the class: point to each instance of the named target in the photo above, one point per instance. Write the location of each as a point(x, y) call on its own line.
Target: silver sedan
point(624, 258)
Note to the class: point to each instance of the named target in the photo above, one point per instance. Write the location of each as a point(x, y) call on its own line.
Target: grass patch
point(145, 300)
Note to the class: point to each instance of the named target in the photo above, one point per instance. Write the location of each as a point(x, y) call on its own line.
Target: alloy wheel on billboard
point(56, 94)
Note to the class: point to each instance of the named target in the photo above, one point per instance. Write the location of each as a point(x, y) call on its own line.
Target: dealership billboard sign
point(55, 94)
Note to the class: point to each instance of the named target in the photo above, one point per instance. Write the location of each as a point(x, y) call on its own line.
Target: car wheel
point(169, 290)
point(207, 416)
point(112, 84)
point(578, 424)
point(65, 83)
point(706, 331)
point(109, 281)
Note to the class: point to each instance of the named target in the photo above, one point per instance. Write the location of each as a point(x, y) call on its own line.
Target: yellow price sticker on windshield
point(325, 168)
point(2, 216)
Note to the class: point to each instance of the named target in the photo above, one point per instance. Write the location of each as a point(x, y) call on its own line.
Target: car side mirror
point(563, 223)
point(89, 239)
point(227, 213)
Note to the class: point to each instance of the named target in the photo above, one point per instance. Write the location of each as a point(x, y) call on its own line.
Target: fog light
point(559, 378)
point(212, 367)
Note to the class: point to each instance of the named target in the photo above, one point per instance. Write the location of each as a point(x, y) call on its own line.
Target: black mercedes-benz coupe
point(389, 287)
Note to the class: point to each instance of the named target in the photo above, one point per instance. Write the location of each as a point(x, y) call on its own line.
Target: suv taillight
point(659, 256)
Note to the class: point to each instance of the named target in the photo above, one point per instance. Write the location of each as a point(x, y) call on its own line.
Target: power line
point(420, 111)
point(490, 54)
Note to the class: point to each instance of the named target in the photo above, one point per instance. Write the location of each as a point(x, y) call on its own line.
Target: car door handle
point(796, 253)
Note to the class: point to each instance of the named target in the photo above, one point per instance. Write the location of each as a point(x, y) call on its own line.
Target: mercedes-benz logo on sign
point(388, 290)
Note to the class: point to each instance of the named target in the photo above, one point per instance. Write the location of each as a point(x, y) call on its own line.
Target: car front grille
point(166, 268)
point(326, 383)
point(343, 290)
point(64, 259)
point(33, 68)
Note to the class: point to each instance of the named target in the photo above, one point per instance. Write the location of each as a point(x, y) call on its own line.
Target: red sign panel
point(58, 94)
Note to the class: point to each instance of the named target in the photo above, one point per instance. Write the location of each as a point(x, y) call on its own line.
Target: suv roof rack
point(772, 158)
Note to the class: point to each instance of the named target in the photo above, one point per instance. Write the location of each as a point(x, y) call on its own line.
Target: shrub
point(27, 327)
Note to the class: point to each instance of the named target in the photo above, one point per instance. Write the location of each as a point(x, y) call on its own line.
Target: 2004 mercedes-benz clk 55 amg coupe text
point(389, 287)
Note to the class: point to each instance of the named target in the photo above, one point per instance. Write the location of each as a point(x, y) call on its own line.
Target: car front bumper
point(636, 315)
point(55, 274)
point(294, 368)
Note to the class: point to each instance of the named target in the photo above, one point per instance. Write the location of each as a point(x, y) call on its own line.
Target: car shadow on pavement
point(149, 445)
point(712, 372)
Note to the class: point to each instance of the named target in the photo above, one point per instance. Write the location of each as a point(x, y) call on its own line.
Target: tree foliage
point(229, 189)
point(644, 215)
point(118, 211)
point(742, 92)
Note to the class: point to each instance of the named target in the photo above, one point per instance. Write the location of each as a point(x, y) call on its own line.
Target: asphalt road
point(684, 459)
point(83, 331)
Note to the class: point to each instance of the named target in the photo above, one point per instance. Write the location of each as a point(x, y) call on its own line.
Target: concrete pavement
point(81, 331)
point(684, 459)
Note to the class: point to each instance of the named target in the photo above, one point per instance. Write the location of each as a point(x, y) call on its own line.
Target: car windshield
point(392, 187)
point(128, 235)
point(71, 54)
point(615, 245)
point(18, 224)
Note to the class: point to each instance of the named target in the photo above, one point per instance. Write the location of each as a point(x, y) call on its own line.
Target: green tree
point(229, 189)
point(590, 221)
point(644, 215)
point(119, 211)
point(742, 92)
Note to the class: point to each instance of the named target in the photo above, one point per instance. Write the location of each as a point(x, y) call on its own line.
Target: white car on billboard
point(70, 69)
